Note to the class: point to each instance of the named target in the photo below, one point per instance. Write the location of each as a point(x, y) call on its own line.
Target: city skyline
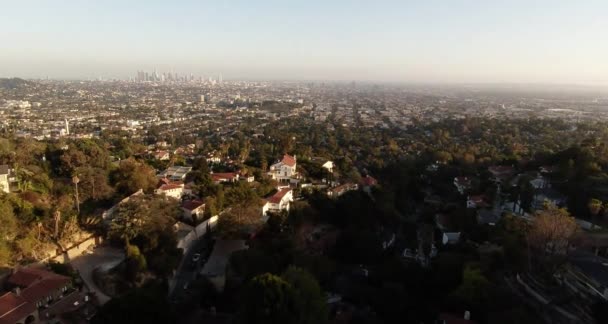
point(553, 42)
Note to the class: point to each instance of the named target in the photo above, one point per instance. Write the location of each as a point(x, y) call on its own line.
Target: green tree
point(133, 175)
point(595, 206)
point(475, 287)
point(267, 299)
point(310, 304)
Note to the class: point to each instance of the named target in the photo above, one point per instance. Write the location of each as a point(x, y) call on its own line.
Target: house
point(279, 201)
point(224, 177)
point(547, 195)
point(329, 166)
point(285, 169)
point(501, 172)
point(477, 201)
point(462, 184)
point(341, 189)
point(450, 238)
point(323, 163)
point(171, 189)
point(162, 155)
point(368, 182)
point(247, 178)
point(175, 173)
point(193, 209)
point(540, 183)
point(33, 296)
point(4, 186)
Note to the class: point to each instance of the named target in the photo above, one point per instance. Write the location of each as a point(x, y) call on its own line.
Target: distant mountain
point(13, 83)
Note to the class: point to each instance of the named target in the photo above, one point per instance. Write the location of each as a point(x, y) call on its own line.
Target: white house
point(173, 189)
point(224, 177)
point(4, 178)
point(329, 166)
point(285, 169)
point(279, 201)
point(193, 209)
point(450, 238)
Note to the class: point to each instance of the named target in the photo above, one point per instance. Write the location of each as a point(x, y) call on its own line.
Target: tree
point(146, 221)
point(127, 223)
point(93, 184)
point(239, 219)
point(147, 304)
point(595, 206)
point(133, 175)
point(135, 262)
point(9, 228)
point(551, 233)
point(310, 304)
point(475, 287)
point(267, 299)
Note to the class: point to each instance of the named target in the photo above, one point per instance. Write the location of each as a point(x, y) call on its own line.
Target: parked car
point(196, 257)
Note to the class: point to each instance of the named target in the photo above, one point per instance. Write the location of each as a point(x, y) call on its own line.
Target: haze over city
point(290, 162)
point(553, 42)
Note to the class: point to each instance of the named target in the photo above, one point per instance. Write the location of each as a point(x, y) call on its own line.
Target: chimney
point(467, 315)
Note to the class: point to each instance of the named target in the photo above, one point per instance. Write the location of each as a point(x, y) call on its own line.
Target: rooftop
point(289, 160)
point(278, 196)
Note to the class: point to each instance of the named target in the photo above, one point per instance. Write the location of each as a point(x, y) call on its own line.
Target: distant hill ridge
point(13, 83)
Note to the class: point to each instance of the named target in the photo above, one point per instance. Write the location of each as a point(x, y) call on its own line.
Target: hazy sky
point(553, 41)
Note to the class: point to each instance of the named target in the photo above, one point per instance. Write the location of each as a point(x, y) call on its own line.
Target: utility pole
point(75, 180)
point(57, 217)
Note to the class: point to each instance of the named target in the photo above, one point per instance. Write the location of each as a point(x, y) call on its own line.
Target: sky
point(449, 41)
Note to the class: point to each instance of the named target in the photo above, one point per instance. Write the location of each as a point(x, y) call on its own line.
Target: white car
point(196, 257)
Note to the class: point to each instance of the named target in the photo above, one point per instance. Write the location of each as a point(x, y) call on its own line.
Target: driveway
point(101, 257)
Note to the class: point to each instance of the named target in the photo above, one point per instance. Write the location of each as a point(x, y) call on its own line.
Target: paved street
point(187, 271)
point(101, 257)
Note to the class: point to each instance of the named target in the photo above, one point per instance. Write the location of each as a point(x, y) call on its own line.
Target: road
point(101, 257)
point(186, 271)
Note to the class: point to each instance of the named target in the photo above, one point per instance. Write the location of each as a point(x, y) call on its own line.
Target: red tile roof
point(36, 284)
point(23, 278)
point(44, 288)
point(14, 308)
point(192, 204)
point(228, 176)
point(277, 197)
point(369, 181)
point(289, 160)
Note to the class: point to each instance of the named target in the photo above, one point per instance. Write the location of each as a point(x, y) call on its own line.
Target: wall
point(196, 233)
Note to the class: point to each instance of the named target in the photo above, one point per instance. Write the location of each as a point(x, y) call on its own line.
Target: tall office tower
point(202, 98)
point(220, 79)
point(67, 127)
point(146, 77)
